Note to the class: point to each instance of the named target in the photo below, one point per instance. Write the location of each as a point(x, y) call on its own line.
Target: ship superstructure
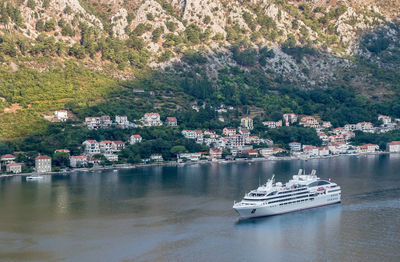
point(301, 192)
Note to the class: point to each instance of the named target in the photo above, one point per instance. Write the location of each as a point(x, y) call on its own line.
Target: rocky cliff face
point(335, 31)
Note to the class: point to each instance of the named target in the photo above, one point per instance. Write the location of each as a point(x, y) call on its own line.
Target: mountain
point(79, 55)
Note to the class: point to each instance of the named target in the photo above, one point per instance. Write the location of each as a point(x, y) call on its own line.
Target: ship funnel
point(300, 172)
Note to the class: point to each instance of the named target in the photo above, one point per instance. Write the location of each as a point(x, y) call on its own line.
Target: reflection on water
point(185, 213)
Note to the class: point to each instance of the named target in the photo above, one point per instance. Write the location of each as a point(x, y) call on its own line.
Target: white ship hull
point(260, 210)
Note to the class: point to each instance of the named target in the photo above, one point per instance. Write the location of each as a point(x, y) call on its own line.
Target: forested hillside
point(336, 59)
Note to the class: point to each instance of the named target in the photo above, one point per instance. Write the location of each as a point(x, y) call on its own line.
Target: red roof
point(7, 156)
point(171, 119)
point(106, 142)
point(78, 157)
point(215, 150)
point(14, 164)
point(252, 151)
point(43, 157)
point(91, 141)
point(151, 114)
point(394, 143)
point(119, 142)
point(62, 150)
point(294, 143)
point(310, 147)
point(137, 136)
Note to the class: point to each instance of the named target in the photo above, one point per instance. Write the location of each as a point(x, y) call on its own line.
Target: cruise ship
point(301, 192)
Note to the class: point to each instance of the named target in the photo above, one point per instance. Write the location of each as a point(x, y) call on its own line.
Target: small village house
point(13, 167)
point(289, 118)
point(61, 115)
point(247, 122)
point(171, 121)
point(135, 139)
point(7, 159)
point(393, 146)
point(151, 119)
point(43, 164)
point(215, 153)
point(78, 161)
point(91, 147)
point(229, 131)
point(295, 146)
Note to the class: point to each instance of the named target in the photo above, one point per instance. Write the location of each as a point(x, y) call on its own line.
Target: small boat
point(34, 178)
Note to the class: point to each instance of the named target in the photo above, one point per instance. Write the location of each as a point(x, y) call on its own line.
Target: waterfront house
point(229, 131)
point(393, 146)
point(338, 148)
point(311, 150)
point(7, 159)
point(247, 122)
point(323, 151)
point(78, 161)
point(61, 115)
point(43, 164)
point(215, 153)
point(135, 139)
point(91, 147)
point(190, 156)
point(151, 119)
point(295, 146)
point(111, 157)
point(289, 118)
point(171, 121)
point(266, 152)
point(156, 158)
point(252, 153)
point(368, 148)
point(93, 161)
point(13, 167)
point(278, 150)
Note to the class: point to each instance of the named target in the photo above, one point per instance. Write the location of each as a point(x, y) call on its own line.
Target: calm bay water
point(185, 214)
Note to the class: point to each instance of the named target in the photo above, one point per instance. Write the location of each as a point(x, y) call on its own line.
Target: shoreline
point(200, 162)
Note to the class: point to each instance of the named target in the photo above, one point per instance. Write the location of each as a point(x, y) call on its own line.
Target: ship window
point(272, 193)
point(320, 183)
